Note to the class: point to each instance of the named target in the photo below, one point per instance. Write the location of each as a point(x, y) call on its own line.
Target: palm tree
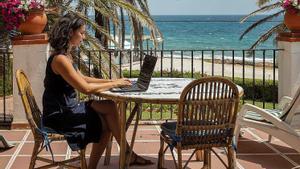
point(108, 14)
point(265, 6)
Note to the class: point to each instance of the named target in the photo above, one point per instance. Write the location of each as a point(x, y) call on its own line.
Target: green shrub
point(6, 82)
point(259, 90)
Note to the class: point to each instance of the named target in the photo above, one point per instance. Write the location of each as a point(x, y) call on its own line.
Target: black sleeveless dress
point(77, 121)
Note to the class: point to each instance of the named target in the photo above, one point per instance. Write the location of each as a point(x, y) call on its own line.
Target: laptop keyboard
point(133, 87)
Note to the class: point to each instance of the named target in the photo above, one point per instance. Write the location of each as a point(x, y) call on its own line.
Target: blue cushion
point(169, 129)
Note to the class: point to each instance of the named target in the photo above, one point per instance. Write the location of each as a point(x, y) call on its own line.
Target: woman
point(80, 122)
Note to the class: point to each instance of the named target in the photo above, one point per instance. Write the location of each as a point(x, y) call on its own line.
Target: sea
point(214, 32)
point(211, 31)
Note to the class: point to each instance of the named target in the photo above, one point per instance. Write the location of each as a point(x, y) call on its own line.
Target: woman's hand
point(122, 82)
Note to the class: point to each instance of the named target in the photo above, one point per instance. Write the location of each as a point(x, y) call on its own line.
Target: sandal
point(138, 160)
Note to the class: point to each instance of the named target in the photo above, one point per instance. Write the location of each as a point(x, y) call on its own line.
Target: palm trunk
point(101, 21)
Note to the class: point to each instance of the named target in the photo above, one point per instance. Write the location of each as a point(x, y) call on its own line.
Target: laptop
point(144, 78)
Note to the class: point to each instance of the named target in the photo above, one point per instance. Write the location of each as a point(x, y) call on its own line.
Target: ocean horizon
point(211, 31)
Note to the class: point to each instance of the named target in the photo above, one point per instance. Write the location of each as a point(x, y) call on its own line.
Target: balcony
point(253, 149)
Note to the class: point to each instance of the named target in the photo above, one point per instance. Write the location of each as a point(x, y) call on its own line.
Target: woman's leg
point(108, 110)
point(98, 148)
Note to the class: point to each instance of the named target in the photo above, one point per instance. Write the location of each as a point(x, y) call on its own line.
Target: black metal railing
point(6, 88)
point(254, 70)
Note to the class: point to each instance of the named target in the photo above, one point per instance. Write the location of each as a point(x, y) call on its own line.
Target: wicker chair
point(42, 136)
point(206, 119)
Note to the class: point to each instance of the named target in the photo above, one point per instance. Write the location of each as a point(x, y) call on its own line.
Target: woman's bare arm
point(94, 80)
point(62, 65)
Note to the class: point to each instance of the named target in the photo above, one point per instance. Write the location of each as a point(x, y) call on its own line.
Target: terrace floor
point(253, 151)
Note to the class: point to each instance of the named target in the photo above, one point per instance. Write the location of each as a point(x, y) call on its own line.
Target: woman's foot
point(138, 160)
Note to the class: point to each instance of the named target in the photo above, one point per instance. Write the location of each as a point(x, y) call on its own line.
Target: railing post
point(288, 64)
point(30, 53)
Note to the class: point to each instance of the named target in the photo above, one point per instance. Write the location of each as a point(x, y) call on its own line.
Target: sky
point(201, 7)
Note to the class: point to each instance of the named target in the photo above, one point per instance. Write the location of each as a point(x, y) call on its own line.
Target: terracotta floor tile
point(88, 150)
point(146, 127)
point(215, 162)
point(30, 137)
point(23, 162)
point(295, 158)
point(260, 134)
point(192, 164)
point(281, 146)
point(13, 135)
point(251, 153)
point(57, 148)
point(144, 135)
point(146, 148)
point(114, 163)
point(264, 161)
point(253, 147)
point(4, 161)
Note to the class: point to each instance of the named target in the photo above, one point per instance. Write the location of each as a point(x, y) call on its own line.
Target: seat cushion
point(255, 116)
point(169, 129)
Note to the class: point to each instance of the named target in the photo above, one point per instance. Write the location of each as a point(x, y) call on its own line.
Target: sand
point(186, 65)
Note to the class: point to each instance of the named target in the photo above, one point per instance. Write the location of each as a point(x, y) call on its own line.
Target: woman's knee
point(103, 106)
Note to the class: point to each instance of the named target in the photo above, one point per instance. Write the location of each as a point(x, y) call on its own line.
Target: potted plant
point(292, 14)
point(26, 16)
point(275, 8)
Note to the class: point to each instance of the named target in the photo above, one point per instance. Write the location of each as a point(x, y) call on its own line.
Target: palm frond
point(274, 30)
point(144, 19)
point(104, 9)
point(259, 22)
point(261, 10)
point(113, 11)
point(262, 2)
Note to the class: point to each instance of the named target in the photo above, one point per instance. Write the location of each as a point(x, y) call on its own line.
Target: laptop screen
point(146, 71)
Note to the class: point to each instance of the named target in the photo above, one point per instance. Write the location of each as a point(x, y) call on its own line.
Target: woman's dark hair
point(60, 34)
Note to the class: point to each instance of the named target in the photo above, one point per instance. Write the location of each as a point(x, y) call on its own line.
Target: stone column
point(30, 53)
point(288, 64)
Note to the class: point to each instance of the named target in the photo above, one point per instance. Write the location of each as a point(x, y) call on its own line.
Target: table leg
point(131, 116)
point(122, 110)
point(138, 112)
point(199, 155)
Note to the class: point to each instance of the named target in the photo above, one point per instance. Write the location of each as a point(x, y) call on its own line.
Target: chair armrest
point(267, 116)
point(284, 102)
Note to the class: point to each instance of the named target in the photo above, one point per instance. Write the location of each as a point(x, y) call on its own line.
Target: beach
point(185, 65)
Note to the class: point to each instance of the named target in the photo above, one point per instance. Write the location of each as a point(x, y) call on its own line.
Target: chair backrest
point(33, 113)
point(293, 107)
point(207, 113)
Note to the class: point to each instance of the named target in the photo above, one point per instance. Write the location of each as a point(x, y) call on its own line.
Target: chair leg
point(160, 163)
point(231, 158)
point(207, 159)
point(199, 155)
point(82, 159)
point(179, 153)
point(108, 151)
point(237, 133)
point(36, 147)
